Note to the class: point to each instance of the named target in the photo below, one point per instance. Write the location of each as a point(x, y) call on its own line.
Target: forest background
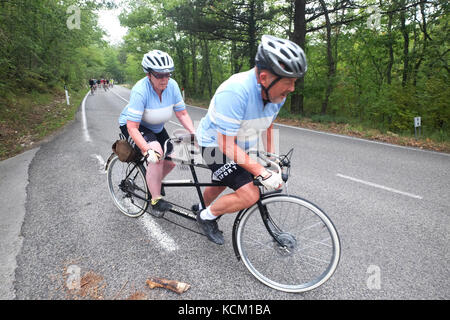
point(373, 66)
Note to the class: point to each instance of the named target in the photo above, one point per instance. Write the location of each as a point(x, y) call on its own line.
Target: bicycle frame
point(190, 183)
point(269, 224)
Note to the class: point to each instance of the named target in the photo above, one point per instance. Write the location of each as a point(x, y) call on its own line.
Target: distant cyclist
point(104, 84)
point(153, 101)
point(91, 85)
point(242, 106)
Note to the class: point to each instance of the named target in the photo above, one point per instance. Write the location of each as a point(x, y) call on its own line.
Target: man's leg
point(242, 198)
point(211, 193)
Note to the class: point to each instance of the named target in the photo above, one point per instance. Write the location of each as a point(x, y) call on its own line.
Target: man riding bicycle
point(152, 102)
point(245, 104)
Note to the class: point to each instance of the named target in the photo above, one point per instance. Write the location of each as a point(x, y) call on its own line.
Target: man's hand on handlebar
point(271, 180)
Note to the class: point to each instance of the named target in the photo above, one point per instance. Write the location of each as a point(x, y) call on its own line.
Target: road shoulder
point(13, 184)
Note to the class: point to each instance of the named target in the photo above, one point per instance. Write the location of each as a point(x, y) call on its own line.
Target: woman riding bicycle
point(152, 102)
point(245, 104)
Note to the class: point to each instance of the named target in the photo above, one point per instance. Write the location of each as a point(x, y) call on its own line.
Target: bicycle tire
point(303, 263)
point(131, 195)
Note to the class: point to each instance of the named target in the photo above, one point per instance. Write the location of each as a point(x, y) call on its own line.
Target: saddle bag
point(124, 150)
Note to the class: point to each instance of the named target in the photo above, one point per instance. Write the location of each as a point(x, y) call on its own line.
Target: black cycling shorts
point(225, 170)
point(150, 136)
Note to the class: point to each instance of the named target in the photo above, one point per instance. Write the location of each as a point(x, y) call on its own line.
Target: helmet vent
point(285, 53)
point(293, 52)
point(284, 66)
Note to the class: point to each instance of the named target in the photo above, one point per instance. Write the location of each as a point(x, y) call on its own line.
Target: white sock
point(207, 215)
point(200, 207)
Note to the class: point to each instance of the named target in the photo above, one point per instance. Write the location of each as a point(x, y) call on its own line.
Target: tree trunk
point(298, 37)
point(206, 78)
point(252, 34)
point(194, 65)
point(391, 51)
point(405, 45)
point(425, 43)
point(233, 57)
point(330, 60)
point(183, 64)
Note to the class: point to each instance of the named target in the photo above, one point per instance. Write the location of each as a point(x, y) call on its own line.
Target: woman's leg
point(155, 172)
point(167, 167)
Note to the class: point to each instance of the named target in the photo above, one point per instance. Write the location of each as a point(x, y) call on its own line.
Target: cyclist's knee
point(154, 145)
point(248, 194)
point(169, 164)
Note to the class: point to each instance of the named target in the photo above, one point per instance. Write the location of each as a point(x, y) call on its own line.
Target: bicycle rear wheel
point(128, 187)
point(305, 252)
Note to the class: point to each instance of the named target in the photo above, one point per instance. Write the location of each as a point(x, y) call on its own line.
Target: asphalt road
point(390, 205)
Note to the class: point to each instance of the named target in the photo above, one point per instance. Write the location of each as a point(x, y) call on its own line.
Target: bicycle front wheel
point(128, 187)
point(301, 252)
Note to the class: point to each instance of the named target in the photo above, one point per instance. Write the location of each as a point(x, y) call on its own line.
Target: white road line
point(349, 137)
point(173, 122)
point(101, 163)
point(154, 231)
point(363, 140)
point(119, 96)
point(379, 186)
point(83, 116)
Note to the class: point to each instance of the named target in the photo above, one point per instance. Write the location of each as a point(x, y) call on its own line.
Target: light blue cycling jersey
point(237, 109)
point(146, 108)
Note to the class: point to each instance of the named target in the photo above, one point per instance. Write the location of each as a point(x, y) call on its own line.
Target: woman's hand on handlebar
point(152, 156)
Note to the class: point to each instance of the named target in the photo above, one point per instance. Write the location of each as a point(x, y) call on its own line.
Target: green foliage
point(133, 70)
point(39, 46)
point(383, 78)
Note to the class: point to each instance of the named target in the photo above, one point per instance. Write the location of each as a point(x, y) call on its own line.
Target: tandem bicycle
point(286, 242)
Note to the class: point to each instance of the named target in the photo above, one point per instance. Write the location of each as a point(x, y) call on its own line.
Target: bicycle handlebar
point(282, 163)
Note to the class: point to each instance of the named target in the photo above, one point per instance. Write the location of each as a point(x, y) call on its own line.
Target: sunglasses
point(161, 75)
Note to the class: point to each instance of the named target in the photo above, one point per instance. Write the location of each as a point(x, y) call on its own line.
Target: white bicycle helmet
point(157, 60)
point(273, 51)
point(282, 57)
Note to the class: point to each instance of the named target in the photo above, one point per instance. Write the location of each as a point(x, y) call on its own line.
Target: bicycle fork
point(270, 225)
